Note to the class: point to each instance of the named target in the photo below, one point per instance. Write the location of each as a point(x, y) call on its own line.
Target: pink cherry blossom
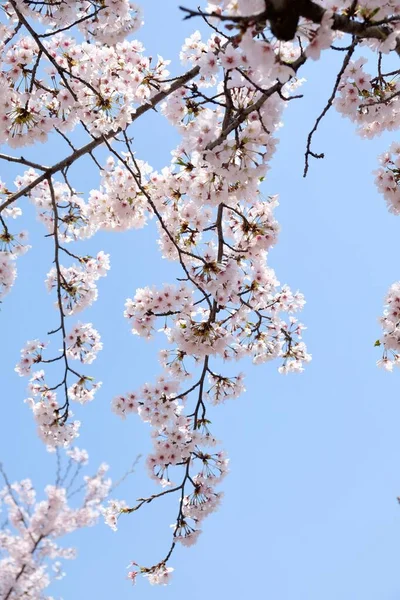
point(71, 71)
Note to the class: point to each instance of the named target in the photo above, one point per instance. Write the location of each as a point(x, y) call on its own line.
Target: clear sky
point(310, 508)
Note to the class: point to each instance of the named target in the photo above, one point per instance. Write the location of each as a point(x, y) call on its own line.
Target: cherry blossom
point(390, 322)
point(29, 543)
point(388, 177)
point(83, 343)
point(72, 71)
point(8, 273)
point(78, 282)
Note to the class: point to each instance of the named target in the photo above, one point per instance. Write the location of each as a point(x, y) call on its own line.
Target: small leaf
point(377, 343)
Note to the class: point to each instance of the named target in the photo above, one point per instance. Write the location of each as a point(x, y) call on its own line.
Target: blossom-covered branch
point(70, 69)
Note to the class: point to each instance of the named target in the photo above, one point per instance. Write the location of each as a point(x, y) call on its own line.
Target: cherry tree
point(72, 73)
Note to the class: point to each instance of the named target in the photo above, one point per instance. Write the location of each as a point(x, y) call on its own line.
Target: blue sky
point(310, 506)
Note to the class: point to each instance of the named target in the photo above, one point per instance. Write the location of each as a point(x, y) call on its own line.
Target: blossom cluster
point(119, 204)
point(388, 177)
point(373, 104)
point(8, 273)
point(213, 221)
point(390, 322)
point(83, 343)
point(78, 287)
point(31, 354)
point(90, 82)
point(148, 304)
point(48, 414)
point(105, 23)
point(29, 548)
point(12, 245)
point(370, 102)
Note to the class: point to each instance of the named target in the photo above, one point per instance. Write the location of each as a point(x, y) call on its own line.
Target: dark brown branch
point(23, 161)
point(77, 22)
point(312, 11)
point(328, 105)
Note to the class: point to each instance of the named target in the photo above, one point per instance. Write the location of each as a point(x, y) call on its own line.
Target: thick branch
point(312, 11)
point(95, 143)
